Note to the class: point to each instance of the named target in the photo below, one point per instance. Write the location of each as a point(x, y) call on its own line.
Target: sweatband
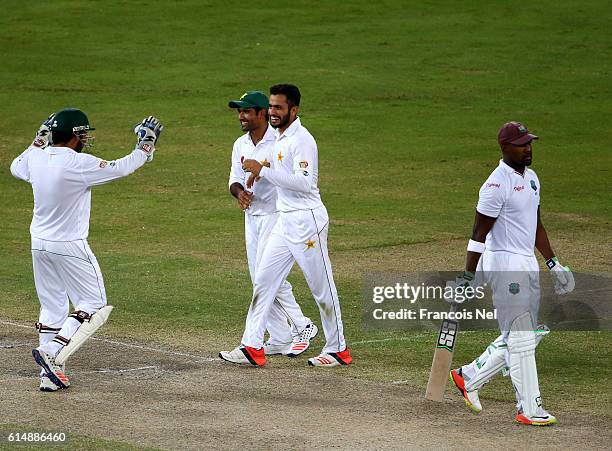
point(476, 246)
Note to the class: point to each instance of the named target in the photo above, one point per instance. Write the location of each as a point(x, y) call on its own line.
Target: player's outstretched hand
point(562, 276)
point(43, 135)
point(147, 134)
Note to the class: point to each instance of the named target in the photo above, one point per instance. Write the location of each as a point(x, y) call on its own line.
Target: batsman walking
point(65, 269)
point(507, 228)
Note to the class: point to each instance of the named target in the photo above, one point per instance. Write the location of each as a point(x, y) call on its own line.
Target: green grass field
point(404, 99)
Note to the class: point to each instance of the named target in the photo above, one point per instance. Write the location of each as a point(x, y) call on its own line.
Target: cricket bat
point(442, 359)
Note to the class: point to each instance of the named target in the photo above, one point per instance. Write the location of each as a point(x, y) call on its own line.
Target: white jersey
point(513, 198)
point(295, 169)
point(61, 180)
point(264, 192)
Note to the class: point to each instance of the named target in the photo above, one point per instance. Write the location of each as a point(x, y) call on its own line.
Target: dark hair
point(290, 91)
point(61, 137)
point(258, 109)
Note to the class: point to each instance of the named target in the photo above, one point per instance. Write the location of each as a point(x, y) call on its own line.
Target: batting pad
point(83, 333)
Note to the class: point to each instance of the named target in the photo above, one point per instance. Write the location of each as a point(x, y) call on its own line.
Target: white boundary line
point(383, 340)
point(127, 370)
point(197, 358)
point(17, 344)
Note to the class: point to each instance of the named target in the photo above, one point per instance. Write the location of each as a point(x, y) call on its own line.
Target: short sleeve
point(491, 198)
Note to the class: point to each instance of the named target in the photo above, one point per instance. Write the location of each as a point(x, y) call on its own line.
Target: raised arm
point(98, 172)
point(19, 166)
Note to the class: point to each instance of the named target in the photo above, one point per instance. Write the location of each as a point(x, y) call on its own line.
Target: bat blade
point(442, 360)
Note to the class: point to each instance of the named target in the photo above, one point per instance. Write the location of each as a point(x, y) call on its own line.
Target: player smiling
point(300, 235)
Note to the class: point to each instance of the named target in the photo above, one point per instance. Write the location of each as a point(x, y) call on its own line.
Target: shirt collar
point(269, 135)
point(510, 170)
point(295, 125)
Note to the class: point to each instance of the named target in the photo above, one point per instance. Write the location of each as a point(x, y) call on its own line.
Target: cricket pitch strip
point(133, 393)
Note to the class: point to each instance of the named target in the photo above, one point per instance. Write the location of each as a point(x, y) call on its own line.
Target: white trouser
point(63, 271)
point(516, 296)
point(515, 283)
point(298, 236)
point(285, 319)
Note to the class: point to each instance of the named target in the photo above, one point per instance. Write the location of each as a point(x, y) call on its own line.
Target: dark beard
point(283, 121)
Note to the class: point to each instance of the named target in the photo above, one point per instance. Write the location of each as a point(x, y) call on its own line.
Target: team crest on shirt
point(514, 288)
point(310, 244)
point(303, 164)
point(280, 156)
point(103, 163)
point(533, 185)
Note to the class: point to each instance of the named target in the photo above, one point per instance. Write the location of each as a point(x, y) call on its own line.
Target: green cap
point(70, 120)
point(251, 99)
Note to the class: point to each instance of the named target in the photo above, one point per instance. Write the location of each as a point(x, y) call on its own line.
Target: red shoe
point(332, 359)
point(541, 418)
point(470, 397)
point(245, 355)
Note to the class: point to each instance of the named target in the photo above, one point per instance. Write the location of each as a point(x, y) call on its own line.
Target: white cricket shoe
point(245, 355)
point(301, 342)
point(276, 348)
point(331, 359)
point(47, 385)
point(53, 371)
point(541, 418)
point(470, 397)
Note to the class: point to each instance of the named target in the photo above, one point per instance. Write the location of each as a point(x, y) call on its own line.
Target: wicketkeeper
point(65, 269)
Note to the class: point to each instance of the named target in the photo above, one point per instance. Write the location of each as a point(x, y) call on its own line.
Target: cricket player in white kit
point(290, 331)
point(300, 235)
point(506, 230)
point(65, 269)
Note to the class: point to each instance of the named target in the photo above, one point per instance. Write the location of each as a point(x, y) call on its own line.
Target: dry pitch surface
point(187, 399)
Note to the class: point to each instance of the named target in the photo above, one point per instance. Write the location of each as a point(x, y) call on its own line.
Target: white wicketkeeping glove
point(562, 276)
point(43, 135)
point(147, 133)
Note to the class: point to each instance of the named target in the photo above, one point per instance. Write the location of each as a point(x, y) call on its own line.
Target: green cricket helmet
point(71, 122)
